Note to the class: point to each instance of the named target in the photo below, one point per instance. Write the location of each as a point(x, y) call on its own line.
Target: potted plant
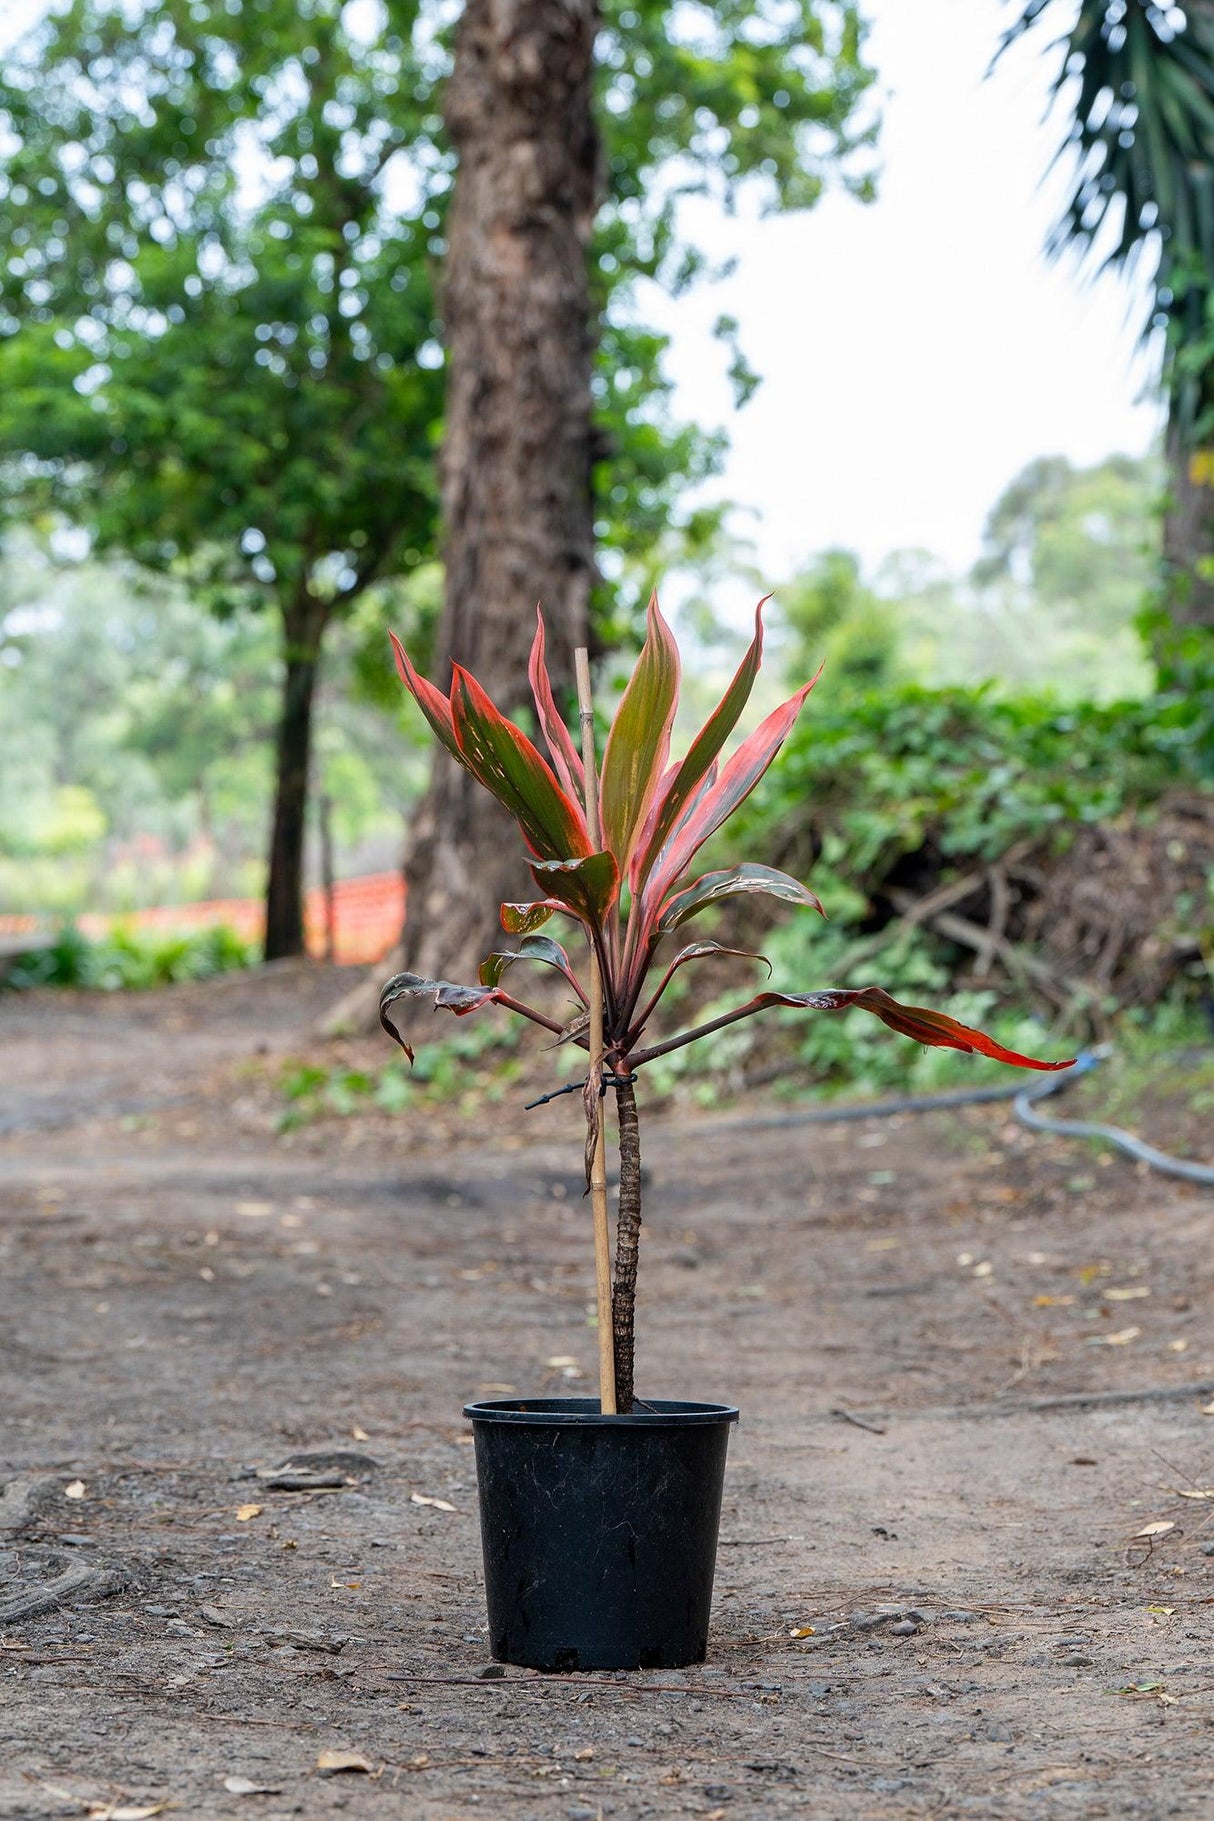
point(599, 1516)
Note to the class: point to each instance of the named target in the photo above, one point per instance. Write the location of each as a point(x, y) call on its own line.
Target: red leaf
point(926, 1026)
point(639, 742)
point(686, 777)
point(917, 1021)
point(557, 738)
point(715, 806)
point(501, 757)
point(432, 702)
point(458, 999)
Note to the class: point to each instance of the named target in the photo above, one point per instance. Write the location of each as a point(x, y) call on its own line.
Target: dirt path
point(1020, 1332)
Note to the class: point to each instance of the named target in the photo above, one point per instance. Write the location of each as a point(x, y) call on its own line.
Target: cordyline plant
point(612, 851)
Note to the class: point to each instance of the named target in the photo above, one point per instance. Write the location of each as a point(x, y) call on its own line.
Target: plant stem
point(627, 1241)
point(598, 1165)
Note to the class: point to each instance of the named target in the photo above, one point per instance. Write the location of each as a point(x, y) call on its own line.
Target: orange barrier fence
point(368, 915)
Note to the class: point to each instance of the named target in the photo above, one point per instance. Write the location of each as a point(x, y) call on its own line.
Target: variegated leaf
point(733, 883)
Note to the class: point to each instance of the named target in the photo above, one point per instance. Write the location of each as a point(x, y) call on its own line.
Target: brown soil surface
point(1019, 1331)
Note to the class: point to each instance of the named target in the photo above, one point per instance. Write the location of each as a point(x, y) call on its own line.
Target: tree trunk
point(627, 1243)
point(303, 629)
point(516, 463)
point(1188, 531)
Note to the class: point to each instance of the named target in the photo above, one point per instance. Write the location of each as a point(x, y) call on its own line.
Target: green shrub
point(129, 959)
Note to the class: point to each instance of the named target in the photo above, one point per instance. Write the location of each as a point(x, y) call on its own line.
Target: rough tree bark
point(516, 462)
point(303, 630)
point(1188, 531)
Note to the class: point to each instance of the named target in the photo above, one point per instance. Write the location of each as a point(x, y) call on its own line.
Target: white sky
point(917, 352)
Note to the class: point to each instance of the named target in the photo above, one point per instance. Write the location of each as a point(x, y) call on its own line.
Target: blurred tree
point(1080, 542)
point(1136, 80)
point(837, 619)
point(217, 346)
point(579, 129)
point(218, 337)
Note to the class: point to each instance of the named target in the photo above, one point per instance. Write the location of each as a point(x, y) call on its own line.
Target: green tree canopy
point(1135, 83)
point(218, 340)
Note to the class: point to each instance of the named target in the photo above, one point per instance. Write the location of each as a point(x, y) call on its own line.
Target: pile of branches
point(1084, 922)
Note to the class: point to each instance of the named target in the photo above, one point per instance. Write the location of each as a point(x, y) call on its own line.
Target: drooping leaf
point(503, 759)
point(521, 919)
point(587, 887)
point(557, 738)
point(737, 779)
point(733, 883)
point(919, 1022)
point(676, 792)
point(442, 994)
point(639, 742)
point(695, 951)
point(534, 948)
point(432, 702)
point(936, 1029)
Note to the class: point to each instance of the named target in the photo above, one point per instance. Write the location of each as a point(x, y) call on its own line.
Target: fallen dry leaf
point(330, 1763)
point(1127, 1295)
point(1207, 1409)
point(1163, 1611)
point(244, 1786)
point(1206, 1493)
point(584, 1756)
point(74, 1489)
point(254, 1209)
point(560, 1360)
point(420, 1498)
point(1052, 1302)
point(1160, 1527)
point(802, 1631)
point(360, 1435)
point(1120, 1339)
point(126, 1811)
point(245, 1512)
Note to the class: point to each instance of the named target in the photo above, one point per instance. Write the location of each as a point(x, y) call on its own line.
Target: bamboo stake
point(598, 1170)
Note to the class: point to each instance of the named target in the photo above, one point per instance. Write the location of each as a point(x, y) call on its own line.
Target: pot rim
point(584, 1412)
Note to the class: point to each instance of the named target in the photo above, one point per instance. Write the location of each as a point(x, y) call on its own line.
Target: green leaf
point(733, 883)
point(703, 751)
point(521, 919)
point(501, 757)
point(639, 741)
point(535, 948)
point(587, 887)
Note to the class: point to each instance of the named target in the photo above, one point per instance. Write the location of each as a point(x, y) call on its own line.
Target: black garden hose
point(1023, 1102)
point(1023, 1107)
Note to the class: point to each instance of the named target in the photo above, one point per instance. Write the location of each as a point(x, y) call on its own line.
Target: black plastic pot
point(599, 1532)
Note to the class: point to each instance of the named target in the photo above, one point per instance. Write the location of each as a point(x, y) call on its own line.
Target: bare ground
point(933, 1605)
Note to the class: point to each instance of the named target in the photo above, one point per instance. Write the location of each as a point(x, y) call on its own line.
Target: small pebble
point(961, 1618)
point(162, 1612)
point(1076, 1660)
